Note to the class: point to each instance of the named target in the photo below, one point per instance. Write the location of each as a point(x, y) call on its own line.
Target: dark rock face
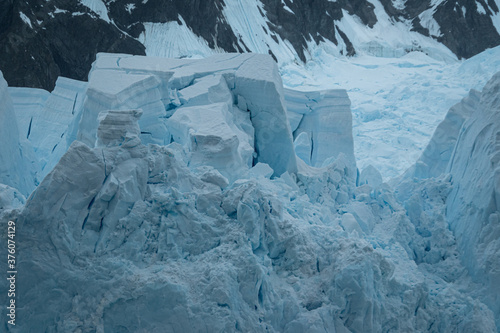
point(55, 41)
point(42, 39)
point(467, 34)
point(314, 20)
point(6, 8)
point(465, 29)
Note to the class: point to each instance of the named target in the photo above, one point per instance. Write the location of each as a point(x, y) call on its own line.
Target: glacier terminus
point(201, 195)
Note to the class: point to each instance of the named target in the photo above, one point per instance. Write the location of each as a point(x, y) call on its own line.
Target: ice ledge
point(253, 80)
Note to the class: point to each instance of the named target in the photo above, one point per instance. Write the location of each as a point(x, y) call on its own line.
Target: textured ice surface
point(114, 90)
point(326, 118)
point(225, 229)
point(213, 138)
point(370, 176)
point(253, 79)
point(173, 40)
point(473, 207)
point(437, 154)
point(49, 120)
point(396, 103)
point(17, 165)
point(463, 155)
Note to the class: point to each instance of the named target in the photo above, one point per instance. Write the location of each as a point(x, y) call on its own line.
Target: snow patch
point(173, 40)
point(130, 7)
point(60, 11)
point(286, 7)
point(25, 19)
point(399, 4)
point(98, 7)
point(391, 39)
point(427, 21)
point(480, 8)
point(247, 22)
point(495, 18)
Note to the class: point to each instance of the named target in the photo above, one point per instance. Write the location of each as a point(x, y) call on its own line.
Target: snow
point(248, 24)
point(173, 40)
point(130, 7)
point(25, 19)
point(391, 39)
point(60, 11)
point(399, 4)
point(98, 7)
point(427, 21)
point(480, 8)
point(495, 19)
point(288, 9)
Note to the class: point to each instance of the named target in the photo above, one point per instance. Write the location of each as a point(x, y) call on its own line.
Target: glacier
point(200, 195)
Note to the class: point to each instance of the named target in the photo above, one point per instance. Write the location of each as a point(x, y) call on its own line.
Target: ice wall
point(48, 120)
point(462, 163)
point(252, 79)
point(114, 90)
point(474, 202)
point(436, 156)
point(325, 118)
point(16, 164)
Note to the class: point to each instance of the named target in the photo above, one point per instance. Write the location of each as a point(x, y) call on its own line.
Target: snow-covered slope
point(163, 237)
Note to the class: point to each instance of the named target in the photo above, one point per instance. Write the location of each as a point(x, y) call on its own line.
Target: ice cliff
point(201, 196)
